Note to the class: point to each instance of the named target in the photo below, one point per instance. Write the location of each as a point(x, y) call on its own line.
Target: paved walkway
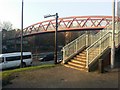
point(63, 77)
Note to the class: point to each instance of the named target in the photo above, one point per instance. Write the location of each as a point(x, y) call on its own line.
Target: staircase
point(82, 52)
point(78, 58)
point(78, 62)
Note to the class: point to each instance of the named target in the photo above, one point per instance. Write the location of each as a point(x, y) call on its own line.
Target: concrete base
point(106, 61)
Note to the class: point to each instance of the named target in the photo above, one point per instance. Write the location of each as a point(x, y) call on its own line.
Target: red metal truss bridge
point(68, 24)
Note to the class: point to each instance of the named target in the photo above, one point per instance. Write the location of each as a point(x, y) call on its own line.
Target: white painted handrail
point(97, 48)
point(73, 47)
point(96, 42)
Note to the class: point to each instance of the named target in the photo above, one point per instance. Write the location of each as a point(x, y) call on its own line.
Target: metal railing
point(83, 41)
point(117, 38)
point(97, 44)
point(73, 47)
point(97, 48)
point(95, 37)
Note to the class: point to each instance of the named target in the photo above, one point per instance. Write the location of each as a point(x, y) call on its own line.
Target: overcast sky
point(34, 10)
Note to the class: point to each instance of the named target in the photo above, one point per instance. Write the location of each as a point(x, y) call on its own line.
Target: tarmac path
point(63, 77)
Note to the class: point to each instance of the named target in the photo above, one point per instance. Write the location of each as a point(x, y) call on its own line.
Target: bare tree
point(6, 25)
point(0, 26)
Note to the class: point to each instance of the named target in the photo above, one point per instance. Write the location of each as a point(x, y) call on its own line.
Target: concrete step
point(80, 59)
point(76, 61)
point(79, 56)
point(76, 64)
point(76, 68)
point(83, 54)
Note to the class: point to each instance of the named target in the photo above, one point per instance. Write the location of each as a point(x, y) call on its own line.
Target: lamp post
point(113, 37)
point(56, 36)
point(22, 36)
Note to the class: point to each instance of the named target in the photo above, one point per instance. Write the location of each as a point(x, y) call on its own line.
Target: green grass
point(10, 74)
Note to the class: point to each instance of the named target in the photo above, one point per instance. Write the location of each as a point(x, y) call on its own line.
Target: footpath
point(63, 77)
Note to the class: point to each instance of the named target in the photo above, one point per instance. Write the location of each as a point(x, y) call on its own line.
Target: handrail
point(98, 35)
point(99, 45)
point(97, 41)
point(73, 41)
point(97, 48)
point(73, 47)
point(101, 38)
point(117, 38)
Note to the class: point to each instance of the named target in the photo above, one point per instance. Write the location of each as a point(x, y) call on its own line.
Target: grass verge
point(8, 75)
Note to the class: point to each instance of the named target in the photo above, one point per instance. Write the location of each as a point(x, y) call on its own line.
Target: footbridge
point(83, 52)
point(68, 24)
